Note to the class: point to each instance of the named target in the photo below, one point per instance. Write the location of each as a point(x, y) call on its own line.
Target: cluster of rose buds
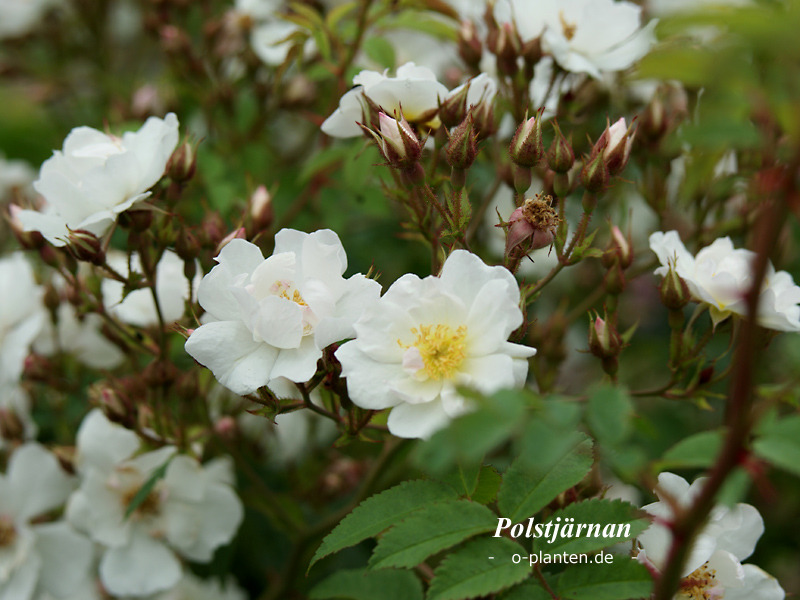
point(609, 156)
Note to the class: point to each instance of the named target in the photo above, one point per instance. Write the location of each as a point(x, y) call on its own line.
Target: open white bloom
point(427, 336)
point(138, 307)
point(713, 569)
point(18, 17)
point(583, 36)
point(669, 7)
point(21, 315)
point(272, 318)
point(192, 510)
point(44, 557)
point(414, 89)
point(98, 176)
point(721, 275)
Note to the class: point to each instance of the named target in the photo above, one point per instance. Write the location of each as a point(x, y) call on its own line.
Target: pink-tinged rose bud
point(236, 233)
point(622, 246)
point(531, 226)
point(397, 141)
point(225, 427)
point(261, 209)
point(614, 146)
point(86, 246)
point(527, 149)
point(604, 342)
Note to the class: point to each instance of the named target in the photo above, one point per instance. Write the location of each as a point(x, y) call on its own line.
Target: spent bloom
point(713, 569)
point(192, 510)
point(271, 318)
point(583, 36)
point(414, 91)
point(531, 226)
point(427, 336)
point(97, 176)
point(721, 275)
point(38, 557)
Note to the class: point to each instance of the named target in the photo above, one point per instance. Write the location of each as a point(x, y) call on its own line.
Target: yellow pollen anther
point(569, 28)
point(8, 533)
point(701, 584)
point(283, 290)
point(442, 349)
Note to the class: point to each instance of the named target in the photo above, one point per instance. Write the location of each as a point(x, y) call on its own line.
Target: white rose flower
point(427, 336)
point(44, 557)
point(191, 587)
point(21, 315)
point(583, 36)
point(271, 318)
point(713, 568)
point(18, 17)
point(138, 307)
point(98, 176)
point(414, 88)
point(721, 276)
point(192, 510)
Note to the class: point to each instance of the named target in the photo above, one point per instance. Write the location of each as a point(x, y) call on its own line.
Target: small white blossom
point(713, 569)
point(138, 307)
point(98, 176)
point(22, 315)
point(18, 17)
point(271, 318)
point(583, 36)
point(191, 511)
point(414, 89)
point(721, 275)
point(427, 336)
point(44, 557)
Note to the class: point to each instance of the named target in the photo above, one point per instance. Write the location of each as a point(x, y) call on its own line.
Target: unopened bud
point(397, 142)
point(138, 220)
point(462, 147)
point(236, 233)
point(225, 427)
point(186, 245)
point(86, 246)
point(183, 162)
point(11, 426)
point(615, 280)
point(594, 175)
point(469, 44)
point(109, 401)
point(617, 151)
point(622, 246)
point(526, 147)
point(674, 291)
point(560, 156)
point(508, 48)
point(65, 455)
point(29, 240)
point(261, 210)
point(453, 109)
point(213, 230)
point(532, 51)
point(604, 341)
point(483, 116)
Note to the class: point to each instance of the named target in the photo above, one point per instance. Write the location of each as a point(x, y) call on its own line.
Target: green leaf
point(696, 451)
point(382, 511)
point(780, 444)
point(625, 578)
point(146, 488)
point(431, 530)
point(380, 50)
point(464, 479)
point(489, 481)
point(481, 567)
point(528, 485)
point(609, 414)
point(362, 584)
point(529, 590)
point(616, 521)
point(469, 438)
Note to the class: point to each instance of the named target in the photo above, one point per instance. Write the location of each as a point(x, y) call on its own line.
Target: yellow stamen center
point(569, 28)
point(442, 349)
point(285, 290)
point(701, 584)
